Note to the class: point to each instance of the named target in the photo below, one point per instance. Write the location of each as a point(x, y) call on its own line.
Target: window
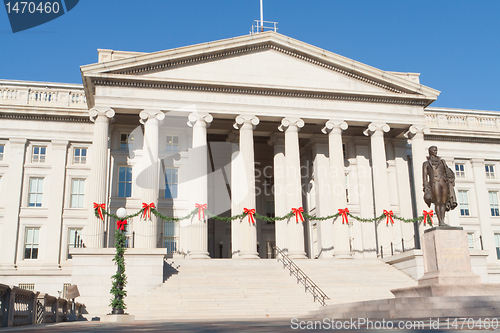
point(490, 171)
point(35, 192)
point(170, 236)
point(31, 243)
point(494, 203)
point(172, 143)
point(125, 182)
point(2, 149)
point(463, 201)
point(126, 141)
point(497, 244)
point(171, 183)
point(74, 239)
point(80, 156)
point(77, 193)
point(470, 238)
point(460, 170)
point(38, 154)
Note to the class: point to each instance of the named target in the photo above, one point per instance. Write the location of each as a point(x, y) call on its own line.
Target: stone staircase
point(233, 289)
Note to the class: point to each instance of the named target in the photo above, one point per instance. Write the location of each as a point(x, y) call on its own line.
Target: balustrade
point(23, 307)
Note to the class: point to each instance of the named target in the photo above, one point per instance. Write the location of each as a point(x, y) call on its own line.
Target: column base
point(248, 255)
point(198, 255)
point(343, 255)
point(297, 255)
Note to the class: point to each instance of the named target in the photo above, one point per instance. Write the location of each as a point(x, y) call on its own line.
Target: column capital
point(276, 139)
point(242, 120)
point(416, 129)
point(145, 115)
point(17, 143)
point(376, 127)
point(195, 117)
point(477, 162)
point(291, 122)
point(335, 126)
point(101, 113)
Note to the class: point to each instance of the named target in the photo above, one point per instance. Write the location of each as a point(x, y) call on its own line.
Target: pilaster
point(14, 182)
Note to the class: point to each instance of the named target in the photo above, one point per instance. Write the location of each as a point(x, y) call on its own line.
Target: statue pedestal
point(447, 267)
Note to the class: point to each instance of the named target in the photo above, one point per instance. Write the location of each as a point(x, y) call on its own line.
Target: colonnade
point(286, 164)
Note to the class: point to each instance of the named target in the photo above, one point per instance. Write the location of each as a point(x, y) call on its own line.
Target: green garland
point(377, 219)
point(119, 279)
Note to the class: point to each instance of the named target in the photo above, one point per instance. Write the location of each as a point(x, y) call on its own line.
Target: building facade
point(259, 122)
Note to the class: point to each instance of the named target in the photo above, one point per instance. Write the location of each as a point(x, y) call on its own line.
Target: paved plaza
point(239, 326)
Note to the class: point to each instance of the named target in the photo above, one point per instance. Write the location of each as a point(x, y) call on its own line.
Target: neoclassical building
point(260, 122)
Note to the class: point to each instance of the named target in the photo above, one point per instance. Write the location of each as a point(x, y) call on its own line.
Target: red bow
point(147, 209)
point(201, 209)
point(430, 214)
point(389, 216)
point(250, 213)
point(344, 212)
point(120, 225)
point(99, 209)
point(298, 212)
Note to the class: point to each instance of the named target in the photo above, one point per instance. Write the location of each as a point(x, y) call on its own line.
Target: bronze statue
point(439, 185)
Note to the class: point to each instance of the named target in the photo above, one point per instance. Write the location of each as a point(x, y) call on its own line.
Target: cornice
point(151, 84)
point(43, 117)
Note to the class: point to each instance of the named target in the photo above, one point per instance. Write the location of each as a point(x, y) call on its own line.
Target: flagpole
point(261, 17)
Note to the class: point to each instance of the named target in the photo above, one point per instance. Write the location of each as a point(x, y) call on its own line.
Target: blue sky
point(454, 44)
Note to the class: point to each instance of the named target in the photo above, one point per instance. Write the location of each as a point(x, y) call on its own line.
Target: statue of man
point(439, 184)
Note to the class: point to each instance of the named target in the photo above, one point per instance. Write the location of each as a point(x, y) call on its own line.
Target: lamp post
point(119, 279)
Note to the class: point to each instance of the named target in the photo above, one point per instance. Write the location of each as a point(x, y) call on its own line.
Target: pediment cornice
point(140, 65)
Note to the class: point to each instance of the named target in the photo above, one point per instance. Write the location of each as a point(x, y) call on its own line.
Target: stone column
point(280, 205)
point(483, 209)
point(14, 183)
point(334, 130)
point(198, 194)
point(147, 230)
point(247, 230)
point(236, 196)
point(418, 151)
point(59, 153)
point(95, 228)
point(293, 189)
point(323, 198)
point(380, 180)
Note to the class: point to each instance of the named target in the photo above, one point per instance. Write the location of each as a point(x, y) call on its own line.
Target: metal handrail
point(302, 277)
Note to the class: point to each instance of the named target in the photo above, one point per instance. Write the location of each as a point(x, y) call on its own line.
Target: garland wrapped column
point(247, 231)
point(380, 179)
point(293, 189)
point(99, 151)
point(334, 129)
point(198, 191)
point(119, 280)
point(147, 229)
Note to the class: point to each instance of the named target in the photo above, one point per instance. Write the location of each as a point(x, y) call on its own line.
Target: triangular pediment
point(268, 61)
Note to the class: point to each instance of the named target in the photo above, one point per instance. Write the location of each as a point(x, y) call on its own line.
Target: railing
point(23, 307)
point(482, 121)
point(302, 277)
point(261, 26)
